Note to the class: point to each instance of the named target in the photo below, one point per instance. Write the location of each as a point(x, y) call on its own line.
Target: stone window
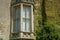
point(23, 18)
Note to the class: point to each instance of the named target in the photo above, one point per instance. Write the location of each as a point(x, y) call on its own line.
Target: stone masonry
point(5, 19)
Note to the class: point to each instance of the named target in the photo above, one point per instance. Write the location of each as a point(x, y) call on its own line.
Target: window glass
point(28, 25)
point(24, 25)
point(18, 12)
point(16, 21)
point(24, 12)
point(26, 18)
point(27, 12)
point(18, 25)
point(14, 29)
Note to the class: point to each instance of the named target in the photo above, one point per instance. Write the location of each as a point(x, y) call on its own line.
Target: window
point(26, 18)
point(16, 21)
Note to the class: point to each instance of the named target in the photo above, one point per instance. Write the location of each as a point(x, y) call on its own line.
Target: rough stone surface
point(5, 18)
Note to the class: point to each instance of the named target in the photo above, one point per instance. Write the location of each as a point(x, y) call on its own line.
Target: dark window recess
point(27, 0)
point(17, 0)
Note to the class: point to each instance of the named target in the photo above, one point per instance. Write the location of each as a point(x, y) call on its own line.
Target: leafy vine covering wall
point(52, 9)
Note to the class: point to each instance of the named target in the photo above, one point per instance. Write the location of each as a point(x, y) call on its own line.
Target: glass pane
point(28, 25)
point(24, 25)
point(14, 28)
point(18, 12)
point(18, 25)
point(24, 11)
point(28, 12)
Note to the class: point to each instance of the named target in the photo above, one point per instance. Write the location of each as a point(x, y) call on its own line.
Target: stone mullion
point(32, 26)
point(21, 26)
point(21, 16)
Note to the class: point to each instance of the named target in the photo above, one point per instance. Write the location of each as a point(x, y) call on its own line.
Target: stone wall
point(5, 18)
